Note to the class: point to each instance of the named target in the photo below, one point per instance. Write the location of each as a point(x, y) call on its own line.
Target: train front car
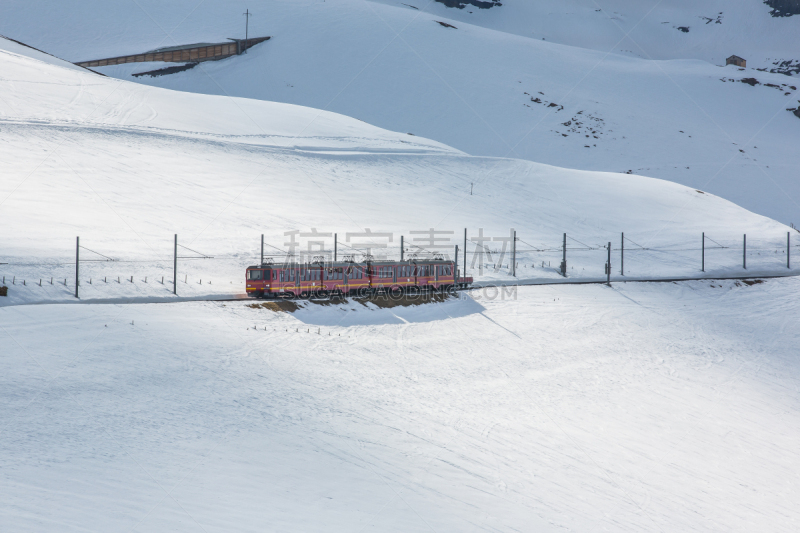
point(257, 281)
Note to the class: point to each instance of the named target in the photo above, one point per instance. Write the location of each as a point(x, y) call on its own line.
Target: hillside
point(636, 407)
point(126, 166)
point(586, 97)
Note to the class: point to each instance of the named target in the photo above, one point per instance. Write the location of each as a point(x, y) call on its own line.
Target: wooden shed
point(736, 60)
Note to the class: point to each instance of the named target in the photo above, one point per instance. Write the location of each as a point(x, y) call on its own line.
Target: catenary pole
point(175, 267)
point(564, 257)
point(262, 249)
point(608, 266)
point(401, 247)
point(455, 268)
point(335, 246)
point(788, 250)
point(703, 255)
point(77, 263)
point(622, 255)
point(514, 252)
point(744, 252)
point(465, 252)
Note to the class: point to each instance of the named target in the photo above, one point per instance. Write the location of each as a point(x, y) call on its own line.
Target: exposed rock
point(783, 8)
point(480, 4)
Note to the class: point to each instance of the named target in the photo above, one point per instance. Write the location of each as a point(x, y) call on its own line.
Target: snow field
point(645, 407)
point(640, 407)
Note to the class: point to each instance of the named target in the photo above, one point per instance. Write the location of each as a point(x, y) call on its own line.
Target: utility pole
point(622, 256)
point(247, 14)
point(465, 252)
point(788, 250)
point(175, 268)
point(608, 265)
point(401, 247)
point(262, 249)
point(744, 252)
point(564, 258)
point(77, 263)
point(335, 246)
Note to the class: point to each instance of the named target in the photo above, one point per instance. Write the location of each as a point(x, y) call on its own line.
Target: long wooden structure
point(189, 53)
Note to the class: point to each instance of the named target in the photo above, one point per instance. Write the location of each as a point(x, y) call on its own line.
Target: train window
point(253, 274)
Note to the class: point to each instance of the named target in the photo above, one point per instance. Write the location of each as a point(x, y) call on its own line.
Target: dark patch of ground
point(446, 25)
point(382, 301)
point(480, 4)
point(166, 70)
point(783, 8)
point(286, 306)
point(684, 29)
point(709, 20)
point(750, 282)
point(386, 301)
point(788, 67)
point(752, 82)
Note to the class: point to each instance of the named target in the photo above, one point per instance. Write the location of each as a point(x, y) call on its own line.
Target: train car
point(290, 280)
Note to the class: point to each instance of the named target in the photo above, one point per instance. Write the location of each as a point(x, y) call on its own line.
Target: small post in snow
point(175, 268)
point(703, 255)
point(608, 265)
point(77, 263)
point(744, 252)
point(564, 258)
point(622, 255)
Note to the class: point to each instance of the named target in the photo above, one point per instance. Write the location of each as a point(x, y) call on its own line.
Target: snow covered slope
point(708, 30)
point(127, 166)
point(642, 407)
point(488, 86)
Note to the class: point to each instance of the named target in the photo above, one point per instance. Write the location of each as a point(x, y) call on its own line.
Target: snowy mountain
point(610, 87)
point(637, 407)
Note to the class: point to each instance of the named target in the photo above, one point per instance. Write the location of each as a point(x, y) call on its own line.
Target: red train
point(348, 278)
